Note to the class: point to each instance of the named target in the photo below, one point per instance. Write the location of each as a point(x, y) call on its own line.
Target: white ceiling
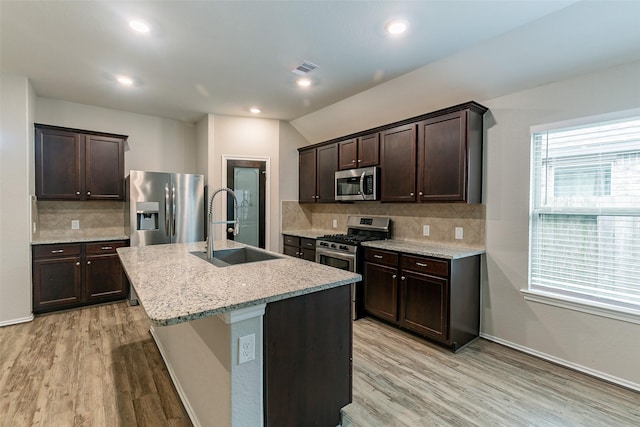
point(222, 57)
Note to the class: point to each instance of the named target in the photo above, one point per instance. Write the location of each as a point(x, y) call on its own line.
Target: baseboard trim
point(176, 383)
point(17, 321)
point(567, 364)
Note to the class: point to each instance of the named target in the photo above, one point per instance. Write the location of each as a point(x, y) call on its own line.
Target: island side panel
point(308, 358)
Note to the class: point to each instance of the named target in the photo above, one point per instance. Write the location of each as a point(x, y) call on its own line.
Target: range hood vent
point(304, 68)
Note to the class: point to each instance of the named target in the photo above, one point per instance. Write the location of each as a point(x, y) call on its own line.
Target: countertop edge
point(436, 250)
point(62, 240)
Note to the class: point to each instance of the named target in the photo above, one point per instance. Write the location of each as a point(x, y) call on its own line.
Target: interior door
point(247, 179)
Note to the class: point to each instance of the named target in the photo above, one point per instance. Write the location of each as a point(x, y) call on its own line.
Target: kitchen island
point(259, 343)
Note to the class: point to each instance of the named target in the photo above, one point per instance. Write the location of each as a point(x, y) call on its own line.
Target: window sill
point(583, 306)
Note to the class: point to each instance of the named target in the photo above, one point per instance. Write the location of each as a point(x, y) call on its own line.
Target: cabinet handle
point(88, 193)
point(421, 264)
point(359, 160)
point(421, 193)
point(59, 251)
point(394, 276)
point(77, 193)
point(106, 248)
point(88, 262)
point(411, 194)
point(403, 278)
point(78, 264)
point(378, 256)
point(353, 161)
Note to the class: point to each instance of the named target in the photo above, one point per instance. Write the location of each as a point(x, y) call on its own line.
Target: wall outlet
point(335, 223)
point(459, 233)
point(246, 348)
point(75, 224)
point(426, 230)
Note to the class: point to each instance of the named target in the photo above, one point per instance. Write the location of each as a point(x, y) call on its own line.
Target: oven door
point(336, 259)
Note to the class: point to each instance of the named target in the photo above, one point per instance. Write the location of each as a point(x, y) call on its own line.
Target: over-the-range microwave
point(357, 184)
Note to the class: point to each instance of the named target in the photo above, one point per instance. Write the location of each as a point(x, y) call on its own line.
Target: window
point(585, 213)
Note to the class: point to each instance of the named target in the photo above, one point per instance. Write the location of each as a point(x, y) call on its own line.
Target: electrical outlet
point(426, 230)
point(75, 224)
point(246, 348)
point(459, 233)
point(335, 223)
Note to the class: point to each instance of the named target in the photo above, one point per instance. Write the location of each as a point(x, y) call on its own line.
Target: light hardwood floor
point(99, 366)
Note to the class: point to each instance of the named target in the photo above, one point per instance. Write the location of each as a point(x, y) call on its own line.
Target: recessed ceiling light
point(396, 27)
point(139, 26)
point(303, 82)
point(125, 80)
point(254, 110)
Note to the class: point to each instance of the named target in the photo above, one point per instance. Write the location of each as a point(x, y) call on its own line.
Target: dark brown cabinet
point(317, 167)
point(450, 157)
point(436, 298)
point(398, 164)
point(359, 152)
point(72, 164)
point(75, 274)
point(300, 247)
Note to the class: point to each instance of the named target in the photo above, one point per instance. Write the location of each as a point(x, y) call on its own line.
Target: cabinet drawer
point(381, 257)
point(58, 250)
point(291, 240)
point(308, 243)
point(425, 265)
point(104, 247)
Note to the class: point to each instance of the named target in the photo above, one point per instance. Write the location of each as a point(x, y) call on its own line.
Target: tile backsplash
point(408, 219)
point(95, 218)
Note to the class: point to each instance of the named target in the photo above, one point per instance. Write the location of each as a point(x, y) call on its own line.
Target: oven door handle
point(362, 185)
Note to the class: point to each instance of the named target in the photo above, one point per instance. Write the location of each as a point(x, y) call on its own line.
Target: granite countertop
point(309, 234)
point(435, 249)
point(71, 237)
point(175, 286)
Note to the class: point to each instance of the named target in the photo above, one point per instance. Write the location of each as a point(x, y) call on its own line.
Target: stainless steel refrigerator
point(163, 208)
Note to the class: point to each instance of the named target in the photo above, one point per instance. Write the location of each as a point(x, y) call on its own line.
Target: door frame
point(267, 196)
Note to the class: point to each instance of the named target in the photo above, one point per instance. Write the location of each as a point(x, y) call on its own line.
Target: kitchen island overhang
point(199, 312)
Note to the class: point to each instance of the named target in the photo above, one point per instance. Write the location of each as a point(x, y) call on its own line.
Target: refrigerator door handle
point(166, 209)
point(173, 207)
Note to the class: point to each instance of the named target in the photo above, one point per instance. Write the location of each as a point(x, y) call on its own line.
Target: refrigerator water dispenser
point(147, 215)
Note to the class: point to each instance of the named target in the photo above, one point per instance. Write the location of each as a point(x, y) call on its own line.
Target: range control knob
point(344, 247)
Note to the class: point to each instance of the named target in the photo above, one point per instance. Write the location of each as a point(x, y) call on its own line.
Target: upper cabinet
point(450, 158)
point(398, 164)
point(73, 164)
point(317, 174)
point(359, 152)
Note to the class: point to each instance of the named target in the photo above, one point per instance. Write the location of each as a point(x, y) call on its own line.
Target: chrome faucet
point(236, 222)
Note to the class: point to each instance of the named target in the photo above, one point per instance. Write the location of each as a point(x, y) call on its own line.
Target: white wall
point(17, 110)
point(154, 144)
point(605, 347)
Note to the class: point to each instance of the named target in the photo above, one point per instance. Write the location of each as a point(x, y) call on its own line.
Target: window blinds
point(585, 212)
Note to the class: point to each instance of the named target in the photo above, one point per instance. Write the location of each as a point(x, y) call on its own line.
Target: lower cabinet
point(435, 298)
point(75, 274)
point(300, 247)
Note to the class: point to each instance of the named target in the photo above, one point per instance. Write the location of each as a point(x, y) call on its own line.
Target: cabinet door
point(104, 167)
point(105, 278)
point(381, 291)
point(369, 150)
point(56, 283)
point(423, 304)
point(442, 158)
point(398, 161)
point(326, 173)
point(348, 154)
point(307, 176)
point(58, 157)
point(291, 251)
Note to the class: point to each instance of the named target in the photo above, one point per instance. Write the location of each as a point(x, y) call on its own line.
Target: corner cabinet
point(438, 299)
point(299, 247)
point(317, 167)
point(72, 164)
point(76, 274)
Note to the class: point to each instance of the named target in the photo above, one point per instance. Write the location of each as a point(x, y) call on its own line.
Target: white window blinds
point(585, 212)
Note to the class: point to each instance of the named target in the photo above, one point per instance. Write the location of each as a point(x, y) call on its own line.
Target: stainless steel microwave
point(357, 184)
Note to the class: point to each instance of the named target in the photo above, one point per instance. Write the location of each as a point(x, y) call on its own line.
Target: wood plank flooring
point(401, 380)
point(98, 366)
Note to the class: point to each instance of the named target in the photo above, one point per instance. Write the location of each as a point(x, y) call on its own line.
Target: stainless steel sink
point(235, 256)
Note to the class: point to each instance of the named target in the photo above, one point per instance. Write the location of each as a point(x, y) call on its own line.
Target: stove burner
point(351, 239)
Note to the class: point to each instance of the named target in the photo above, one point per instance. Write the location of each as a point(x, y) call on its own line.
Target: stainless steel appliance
point(342, 250)
point(163, 208)
point(357, 184)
